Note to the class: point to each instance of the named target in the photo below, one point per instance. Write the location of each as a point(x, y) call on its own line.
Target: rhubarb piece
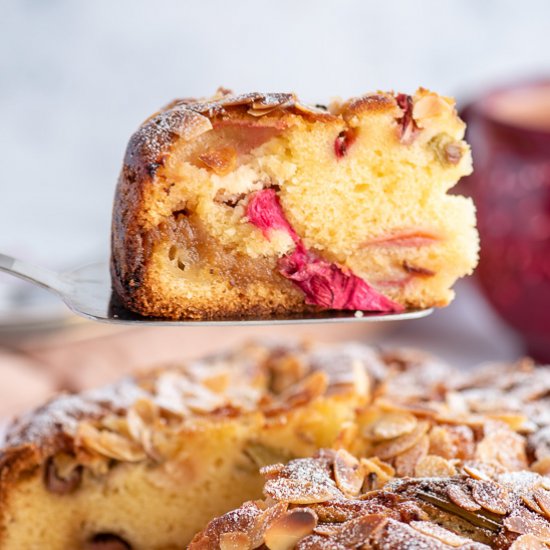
point(324, 284)
point(407, 123)
point(343, 142)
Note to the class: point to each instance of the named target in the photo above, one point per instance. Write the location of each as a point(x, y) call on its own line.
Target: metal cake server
point(87, 292)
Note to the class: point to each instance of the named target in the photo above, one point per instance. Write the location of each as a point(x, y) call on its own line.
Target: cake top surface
point(328, 502)
point(399, 394)
point(188, 118)
point(267, 378)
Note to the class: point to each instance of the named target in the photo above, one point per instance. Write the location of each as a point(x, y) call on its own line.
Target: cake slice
point(327, 503)
point(256, 204)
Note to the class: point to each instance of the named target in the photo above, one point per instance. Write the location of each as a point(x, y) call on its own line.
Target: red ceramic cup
point(509, 131)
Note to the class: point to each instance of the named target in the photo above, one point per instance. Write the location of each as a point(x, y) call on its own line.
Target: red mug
point(509, 131)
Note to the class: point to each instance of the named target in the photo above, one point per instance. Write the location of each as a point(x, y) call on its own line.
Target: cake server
point(87, 292)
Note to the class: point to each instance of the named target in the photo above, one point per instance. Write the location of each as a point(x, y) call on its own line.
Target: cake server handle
point(40, 276)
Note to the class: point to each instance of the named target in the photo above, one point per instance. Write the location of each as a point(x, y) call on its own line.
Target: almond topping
point(461, 498)
point(285, 531)
point(406, 462)
point(348, 473)
point(439, 533)
point(491, 496)
point(393, 447)
point(528, 542)
point(235, 540)
point(542, 498)
point(475, 473)
point(394, 424)
point(525, 522)
point(434, 466)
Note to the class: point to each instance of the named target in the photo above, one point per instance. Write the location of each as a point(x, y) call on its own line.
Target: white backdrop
point(77, 77)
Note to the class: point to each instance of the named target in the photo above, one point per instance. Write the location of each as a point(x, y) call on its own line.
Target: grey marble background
point(77, 77)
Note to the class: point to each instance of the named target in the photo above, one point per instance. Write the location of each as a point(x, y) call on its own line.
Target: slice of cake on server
point(256, 204)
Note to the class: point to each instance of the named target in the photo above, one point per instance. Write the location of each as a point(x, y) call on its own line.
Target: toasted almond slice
point(461, 498)
point(528, 542)
point(235, 540)
point(313, 386)
point(475, 473)
point(286, 530)
point(434, 466)
point(108, 444)
point(524, 522)
point(394, 447)
point(394, 424)
point(503, 446)
point(348, 473)
point(491, 496)
point(436, 531)
point(261, 111)
point(406, 462)
point(266, 518)
point(529, 500)
point(430, 105)
point(542, 466)
point(542, 498)
point(441, 443)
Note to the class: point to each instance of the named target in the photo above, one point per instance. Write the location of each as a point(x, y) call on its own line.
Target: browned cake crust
point(146, 153)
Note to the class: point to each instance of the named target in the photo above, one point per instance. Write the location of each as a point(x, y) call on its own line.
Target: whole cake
point(256, 204)
point(147, 463)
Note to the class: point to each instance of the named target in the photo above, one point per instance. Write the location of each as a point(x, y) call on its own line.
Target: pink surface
point(324, 284)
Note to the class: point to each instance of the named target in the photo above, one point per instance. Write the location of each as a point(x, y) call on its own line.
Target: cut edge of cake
point(189, 242)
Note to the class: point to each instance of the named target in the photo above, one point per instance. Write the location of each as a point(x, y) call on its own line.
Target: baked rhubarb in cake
point(147, 463)
point(256, 204)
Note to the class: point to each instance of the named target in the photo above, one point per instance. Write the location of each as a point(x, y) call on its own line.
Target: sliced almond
point(462, 498)
point(542, 498)
point(393, 447)
point(491, 496)
point(393, 424)
point(525, 522)
point(437, 532)
point(542, 466)
point(406, 462)
point(434, 466)
point(475, 473)
point(503, 446)
point(429, 106)
point(528, 542)
point(108, 444)
point(348, 473)
point(529, 501)
point(235, 540)
point(289, 528)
